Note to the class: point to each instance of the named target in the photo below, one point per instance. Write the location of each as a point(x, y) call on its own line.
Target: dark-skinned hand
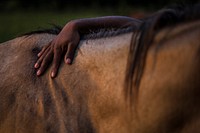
point(65, 43)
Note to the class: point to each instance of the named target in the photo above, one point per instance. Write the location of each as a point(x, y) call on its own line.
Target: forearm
point(68, 39)
point(88, 24)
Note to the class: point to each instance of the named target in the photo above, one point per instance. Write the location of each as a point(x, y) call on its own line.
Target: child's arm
point(67, 40)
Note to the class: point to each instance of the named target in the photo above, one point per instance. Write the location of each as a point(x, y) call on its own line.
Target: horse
point(85, 97)
point(143, 80)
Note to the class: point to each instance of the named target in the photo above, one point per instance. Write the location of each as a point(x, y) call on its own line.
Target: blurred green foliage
point(21, 16)
point(16, 23)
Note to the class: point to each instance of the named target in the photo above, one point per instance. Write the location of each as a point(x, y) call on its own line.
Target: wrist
point(73, 25)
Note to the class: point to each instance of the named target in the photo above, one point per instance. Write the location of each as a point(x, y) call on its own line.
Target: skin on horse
point(88, 96)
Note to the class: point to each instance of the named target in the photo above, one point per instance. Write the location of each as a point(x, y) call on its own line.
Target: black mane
point(143, 37)
point(99, 33)
point(55, 31)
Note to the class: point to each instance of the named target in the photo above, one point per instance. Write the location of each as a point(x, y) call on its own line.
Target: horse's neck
point(170, 32)
point(171, 74)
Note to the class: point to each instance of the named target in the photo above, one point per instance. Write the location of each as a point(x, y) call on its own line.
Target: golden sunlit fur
point(88, 96)
point(85, 97)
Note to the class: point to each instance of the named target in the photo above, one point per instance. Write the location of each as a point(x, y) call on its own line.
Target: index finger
point(56, 61)
point(43, 49)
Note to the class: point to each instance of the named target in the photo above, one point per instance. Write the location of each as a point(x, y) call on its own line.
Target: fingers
point(43, 50)
point(70, 53)
point(56, 61)
point(45, 57)
point(49, 54)
point(45, 62)
point(44, 53)
point(52, 52)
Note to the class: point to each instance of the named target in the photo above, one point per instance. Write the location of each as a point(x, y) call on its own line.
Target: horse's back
point(22, 94)
point(88, 95)
point(85, 97)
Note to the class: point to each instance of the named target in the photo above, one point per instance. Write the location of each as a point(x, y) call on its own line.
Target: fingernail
point(38, 55)
point(52, 74)
point(36, 65)
point(38, 72)
point(68, 61)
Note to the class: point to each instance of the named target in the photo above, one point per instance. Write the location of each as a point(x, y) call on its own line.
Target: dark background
point(10, 5)
point(21, 16)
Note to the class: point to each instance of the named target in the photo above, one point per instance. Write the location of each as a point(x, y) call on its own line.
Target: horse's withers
point(88, 95)
point(85, 97)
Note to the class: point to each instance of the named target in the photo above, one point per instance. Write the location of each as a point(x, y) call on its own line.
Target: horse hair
point(55, 31)
point(92, 34)
point(143, 37)
point(141, 40)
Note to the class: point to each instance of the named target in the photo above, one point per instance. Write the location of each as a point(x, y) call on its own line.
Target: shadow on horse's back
point(85, 97)
point(161, 81)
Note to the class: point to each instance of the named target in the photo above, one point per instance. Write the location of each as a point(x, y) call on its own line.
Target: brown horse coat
point(88, 96)
point(85, 97)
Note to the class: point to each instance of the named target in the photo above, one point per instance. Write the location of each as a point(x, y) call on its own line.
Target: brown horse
point(85, 97)
point(159, 63)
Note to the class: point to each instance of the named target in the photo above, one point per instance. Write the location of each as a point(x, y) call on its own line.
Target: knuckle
point(71, 44)
point(46, 46)
point(43, 66)
point(39, 60)
point(57, 48)
point(46, 60)
point(55, 66)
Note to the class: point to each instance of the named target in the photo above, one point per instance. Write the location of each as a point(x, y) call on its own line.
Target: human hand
point(66, 43)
